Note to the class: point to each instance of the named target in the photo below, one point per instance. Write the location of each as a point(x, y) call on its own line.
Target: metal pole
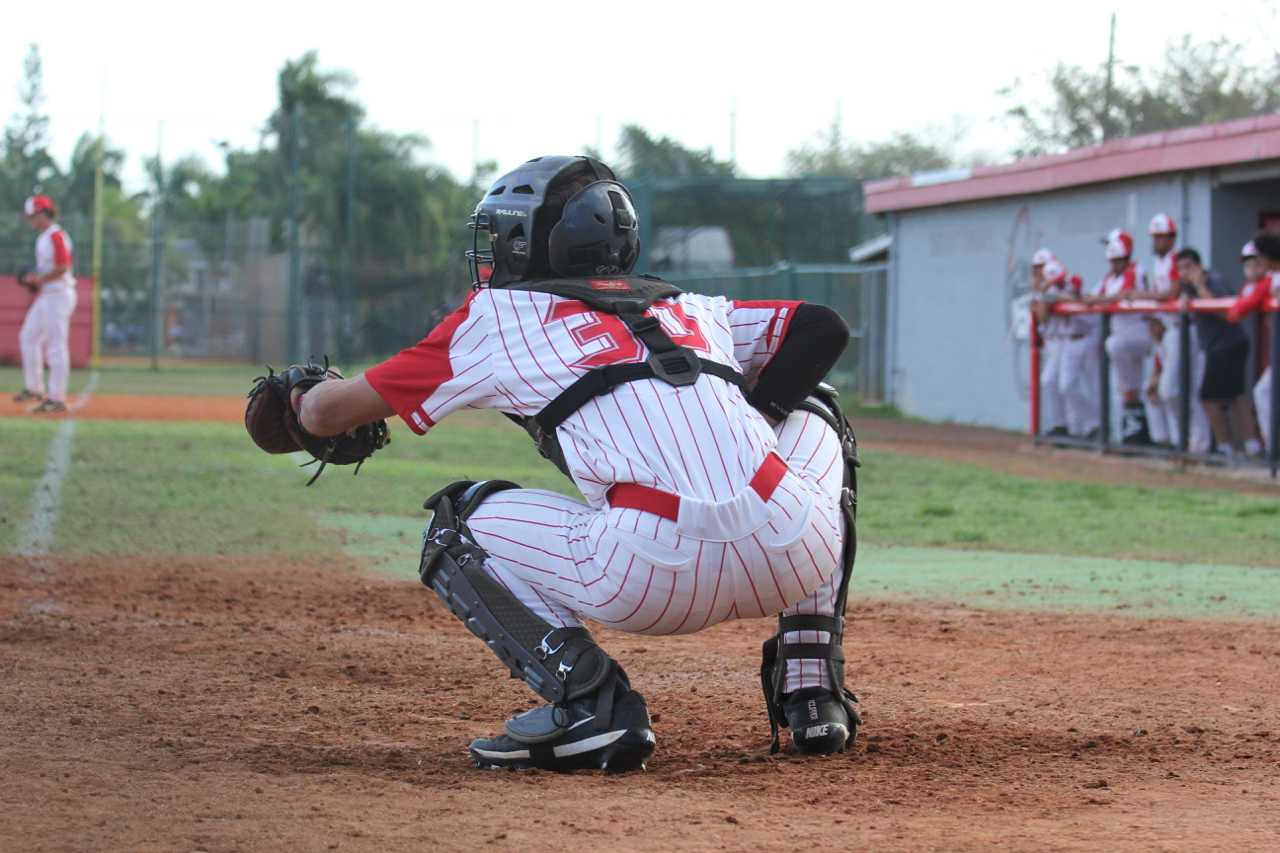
point(95, 335)
point(157, 255)
point(1104, 383)
point(1273, 449)
point(1184, 381)
point(294, 301)
point(346, 311)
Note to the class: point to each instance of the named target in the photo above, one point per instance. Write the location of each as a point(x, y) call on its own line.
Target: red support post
point(1036, 343)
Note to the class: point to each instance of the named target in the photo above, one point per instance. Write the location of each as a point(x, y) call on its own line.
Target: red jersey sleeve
point(448, 370)
point(758, 328)
point(1247, 303)
point(61, 251)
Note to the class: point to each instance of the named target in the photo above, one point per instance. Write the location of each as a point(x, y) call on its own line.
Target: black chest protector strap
point(627, 298)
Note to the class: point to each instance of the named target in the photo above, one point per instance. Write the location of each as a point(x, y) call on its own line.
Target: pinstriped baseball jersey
point(516, 350)
point(636, 571)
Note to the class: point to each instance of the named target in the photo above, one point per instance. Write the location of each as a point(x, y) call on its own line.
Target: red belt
point(667, 505)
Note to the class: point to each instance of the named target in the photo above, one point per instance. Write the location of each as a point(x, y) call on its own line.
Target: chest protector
point(627, 298)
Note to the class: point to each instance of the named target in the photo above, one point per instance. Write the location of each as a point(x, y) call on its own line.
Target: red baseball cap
point(37, 203)
point(1054, 271)
point(1162, 225)
point(1119, 234)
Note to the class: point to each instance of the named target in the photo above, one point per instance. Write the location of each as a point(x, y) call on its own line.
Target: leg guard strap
point(559, 664)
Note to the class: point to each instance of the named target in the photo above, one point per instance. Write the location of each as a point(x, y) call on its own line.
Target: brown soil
point(187, 705)
point(141, 407)
point(203, 706)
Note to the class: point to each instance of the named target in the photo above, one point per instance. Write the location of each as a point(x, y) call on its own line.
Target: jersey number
point(604, 339)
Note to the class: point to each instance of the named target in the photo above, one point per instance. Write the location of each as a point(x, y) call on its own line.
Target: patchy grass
point(201, 489)
point(912, 500)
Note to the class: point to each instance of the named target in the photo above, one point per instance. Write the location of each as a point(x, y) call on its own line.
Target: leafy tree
point(1201, 83)
point(644, 156)
point(27, 161)
point(766, 221)
point(830, 155)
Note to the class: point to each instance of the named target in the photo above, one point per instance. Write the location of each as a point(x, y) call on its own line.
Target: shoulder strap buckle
point(679, 366)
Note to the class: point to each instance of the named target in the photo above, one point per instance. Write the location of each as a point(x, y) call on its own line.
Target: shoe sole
point(612, 752)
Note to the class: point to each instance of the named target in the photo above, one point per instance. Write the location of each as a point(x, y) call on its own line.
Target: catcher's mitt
point(273, 424)
point(21, 276)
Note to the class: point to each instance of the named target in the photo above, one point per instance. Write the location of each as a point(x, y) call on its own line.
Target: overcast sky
point(516, 80)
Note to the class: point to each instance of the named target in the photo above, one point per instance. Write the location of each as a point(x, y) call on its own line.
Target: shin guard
point(559, 664)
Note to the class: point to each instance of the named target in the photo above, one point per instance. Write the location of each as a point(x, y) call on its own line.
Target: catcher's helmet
point(598, 233)
point(522, 210)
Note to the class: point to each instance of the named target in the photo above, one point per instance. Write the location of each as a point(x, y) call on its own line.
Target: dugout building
point(962, 242)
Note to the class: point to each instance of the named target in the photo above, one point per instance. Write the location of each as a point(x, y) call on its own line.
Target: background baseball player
point(710, 495)
point(45, 333)
point(1129, 342)
point(1261, 258)
point(1070, 401)
point(1163, 390)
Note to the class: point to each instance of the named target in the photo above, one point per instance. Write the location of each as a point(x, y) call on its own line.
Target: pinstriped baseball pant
point(630, 570)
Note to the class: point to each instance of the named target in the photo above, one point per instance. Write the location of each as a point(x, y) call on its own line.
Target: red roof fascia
point(1231, 142)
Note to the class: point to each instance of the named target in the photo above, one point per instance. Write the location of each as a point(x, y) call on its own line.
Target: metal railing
point(1184, 312)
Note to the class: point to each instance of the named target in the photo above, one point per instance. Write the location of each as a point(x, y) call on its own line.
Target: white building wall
point(957, 269)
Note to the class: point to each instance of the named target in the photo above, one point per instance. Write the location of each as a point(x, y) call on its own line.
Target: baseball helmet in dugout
point(513, 222)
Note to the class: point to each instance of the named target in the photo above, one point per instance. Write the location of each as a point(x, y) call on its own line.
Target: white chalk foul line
point(36, 535)
point(82, 399)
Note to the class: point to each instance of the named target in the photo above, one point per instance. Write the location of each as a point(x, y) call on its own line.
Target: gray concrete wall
point(1235, 216)
point(956, 271)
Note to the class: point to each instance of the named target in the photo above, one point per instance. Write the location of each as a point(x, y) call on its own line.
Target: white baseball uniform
point(1065, 379)
point(44, 338)
point(1129, 342)
point(1169, 389)
point(733, 551)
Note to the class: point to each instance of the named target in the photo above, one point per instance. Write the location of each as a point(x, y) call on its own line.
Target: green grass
point(26, 446)
point(204, 489)
point(135, 376)
point(917, 501)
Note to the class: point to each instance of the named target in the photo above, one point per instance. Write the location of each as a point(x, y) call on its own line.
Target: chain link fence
point(857, 292)
point(221, 291)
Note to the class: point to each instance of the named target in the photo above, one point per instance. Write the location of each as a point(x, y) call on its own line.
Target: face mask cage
point(480, 257)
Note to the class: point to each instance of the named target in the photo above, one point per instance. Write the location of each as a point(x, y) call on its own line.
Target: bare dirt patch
point(236, 706)
point(141, 407)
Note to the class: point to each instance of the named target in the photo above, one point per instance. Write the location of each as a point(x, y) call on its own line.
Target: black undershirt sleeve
point(816, 336)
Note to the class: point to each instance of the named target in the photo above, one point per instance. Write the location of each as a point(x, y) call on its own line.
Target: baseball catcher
point(717, 473)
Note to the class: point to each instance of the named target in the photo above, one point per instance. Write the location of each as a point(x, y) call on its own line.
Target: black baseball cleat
point(566, 737)
point(819, 723)
point(27, 397)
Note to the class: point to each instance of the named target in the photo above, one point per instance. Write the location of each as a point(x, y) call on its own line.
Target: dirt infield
point(204, 706)
point(142, 407)
point(234, 706)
